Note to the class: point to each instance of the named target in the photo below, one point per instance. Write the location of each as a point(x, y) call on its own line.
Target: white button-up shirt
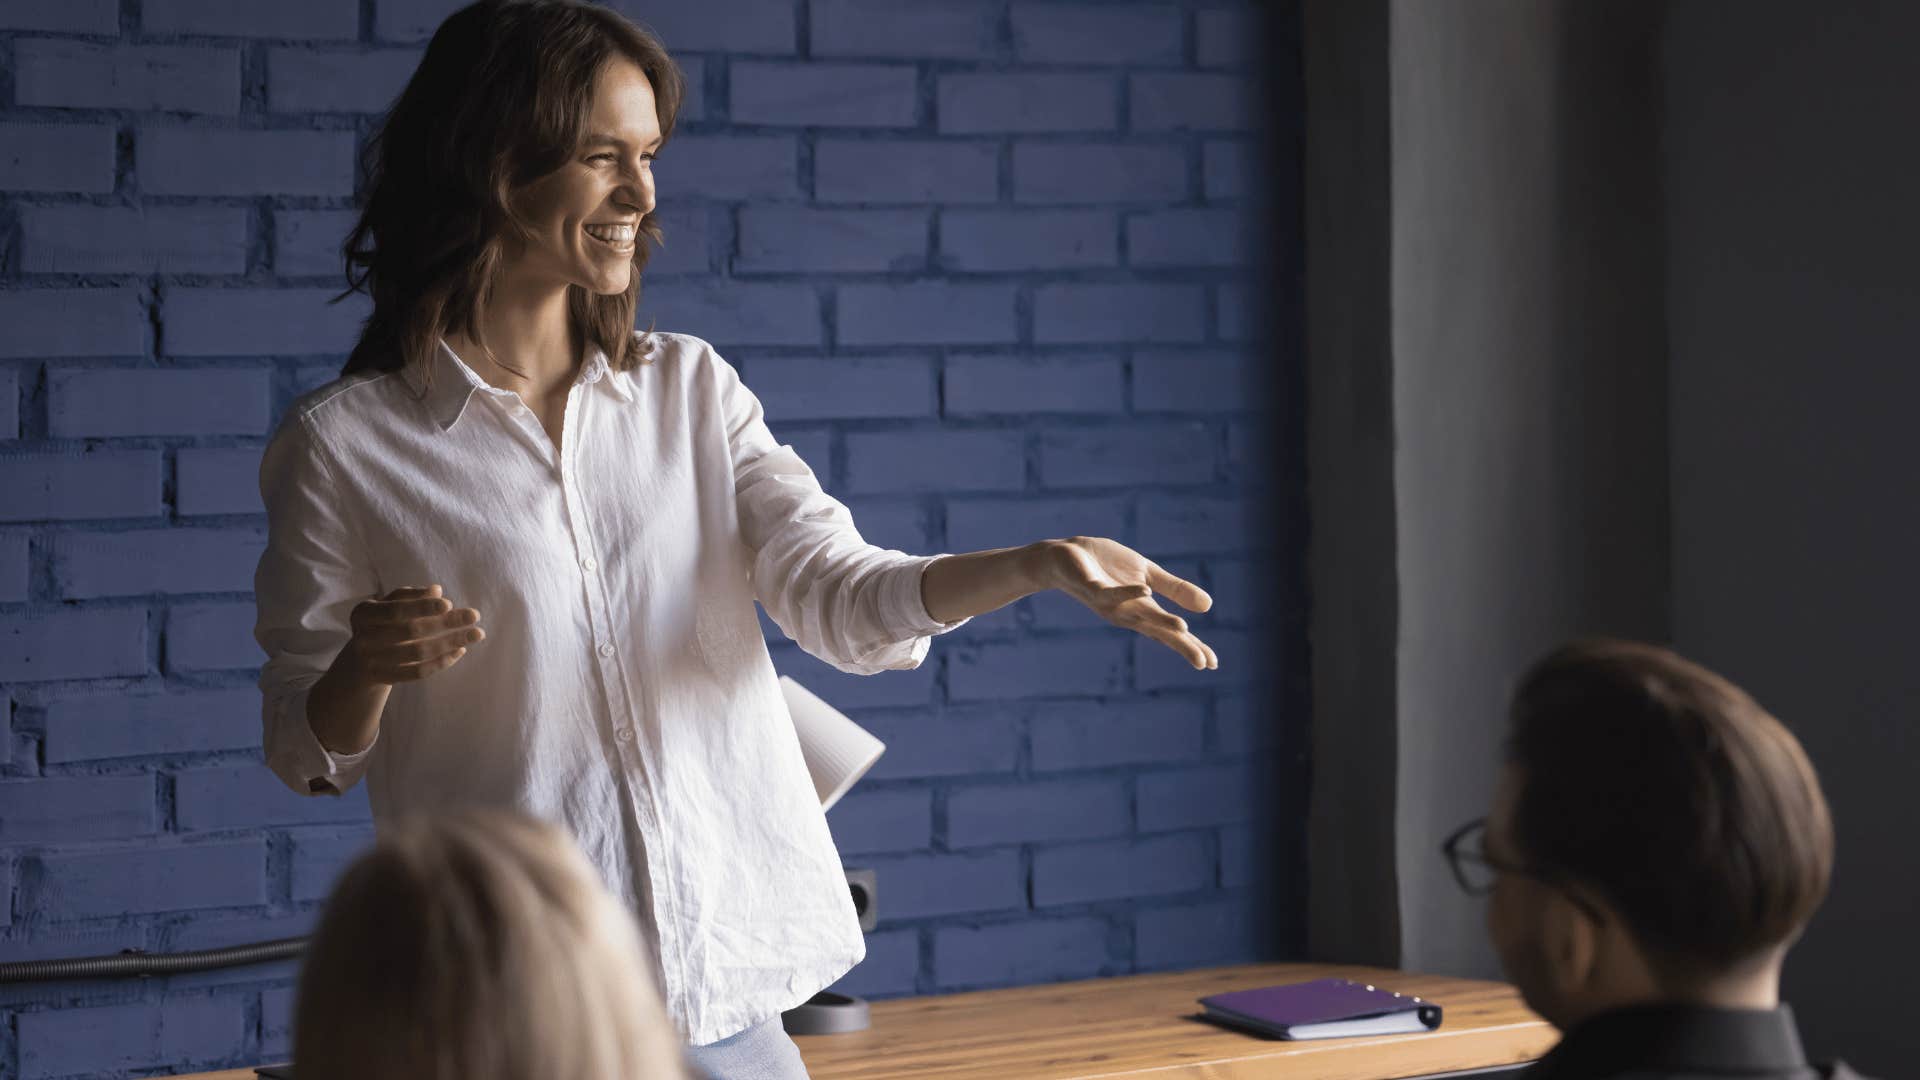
point(624, 690)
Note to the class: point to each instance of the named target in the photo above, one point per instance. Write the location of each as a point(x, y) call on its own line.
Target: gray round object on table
point(826, 1013)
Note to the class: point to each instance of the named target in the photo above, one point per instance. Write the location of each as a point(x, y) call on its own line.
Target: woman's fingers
point(1179, 590)
point(415, 672)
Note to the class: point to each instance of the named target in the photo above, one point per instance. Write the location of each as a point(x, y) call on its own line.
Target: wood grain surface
point(1146, 1027)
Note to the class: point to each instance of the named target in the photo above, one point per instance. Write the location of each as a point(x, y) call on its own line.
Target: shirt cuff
point(906, 604)
point(325, 771)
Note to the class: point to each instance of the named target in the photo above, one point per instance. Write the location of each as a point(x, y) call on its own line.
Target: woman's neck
point(528, 329)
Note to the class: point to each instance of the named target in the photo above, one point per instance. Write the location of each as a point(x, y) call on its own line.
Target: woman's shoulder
point(340, 402)
point(683, 358)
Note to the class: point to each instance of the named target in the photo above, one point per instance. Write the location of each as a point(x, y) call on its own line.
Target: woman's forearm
point(344, 710)
point(963, 586)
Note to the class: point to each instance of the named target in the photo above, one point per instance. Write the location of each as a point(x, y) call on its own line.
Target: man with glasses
point(1656, 843)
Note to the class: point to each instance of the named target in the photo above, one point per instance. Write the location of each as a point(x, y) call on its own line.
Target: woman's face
point(583, 219)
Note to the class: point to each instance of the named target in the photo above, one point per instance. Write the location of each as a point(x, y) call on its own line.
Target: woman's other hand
point(1118, 583)
point(408, 634)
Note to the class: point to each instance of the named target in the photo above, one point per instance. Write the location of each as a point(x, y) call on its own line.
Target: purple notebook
point(1322, 1009)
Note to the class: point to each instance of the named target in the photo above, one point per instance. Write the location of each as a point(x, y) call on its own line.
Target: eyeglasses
point(1477, 872)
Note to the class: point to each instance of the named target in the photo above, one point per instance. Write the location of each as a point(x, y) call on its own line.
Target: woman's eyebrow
point(602, 138)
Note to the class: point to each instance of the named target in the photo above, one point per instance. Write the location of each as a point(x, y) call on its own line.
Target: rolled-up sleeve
point(310, 577)
point(852, 604)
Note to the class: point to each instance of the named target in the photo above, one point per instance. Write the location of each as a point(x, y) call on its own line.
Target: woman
point(478, 946)
point(503, 445)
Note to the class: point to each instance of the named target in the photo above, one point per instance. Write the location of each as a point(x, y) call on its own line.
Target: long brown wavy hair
point(501, 99)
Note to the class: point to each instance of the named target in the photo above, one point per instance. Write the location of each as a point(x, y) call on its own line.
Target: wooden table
point(1144, 1027)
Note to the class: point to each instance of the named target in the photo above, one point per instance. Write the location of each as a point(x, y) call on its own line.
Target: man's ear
point(1571, 940)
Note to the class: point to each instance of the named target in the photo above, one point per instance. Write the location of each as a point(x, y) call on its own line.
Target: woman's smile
point(618, 238)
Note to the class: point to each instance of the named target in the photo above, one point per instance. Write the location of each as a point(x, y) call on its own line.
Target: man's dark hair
point(1674, 796)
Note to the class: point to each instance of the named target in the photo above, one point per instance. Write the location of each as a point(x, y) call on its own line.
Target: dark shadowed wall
point(986, 262)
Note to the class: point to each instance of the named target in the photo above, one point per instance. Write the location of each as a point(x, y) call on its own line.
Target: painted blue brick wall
point(987, 263)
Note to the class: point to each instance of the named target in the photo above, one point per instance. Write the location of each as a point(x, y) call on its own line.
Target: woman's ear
point(1570, 938)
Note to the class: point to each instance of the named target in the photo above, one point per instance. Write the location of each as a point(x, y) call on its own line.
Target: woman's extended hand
point(1118, 583)
point(408, 634)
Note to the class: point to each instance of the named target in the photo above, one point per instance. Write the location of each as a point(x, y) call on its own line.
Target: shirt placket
point(629, 745)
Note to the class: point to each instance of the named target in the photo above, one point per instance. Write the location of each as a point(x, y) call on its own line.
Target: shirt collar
point(454, 383)
point(1676, 1038)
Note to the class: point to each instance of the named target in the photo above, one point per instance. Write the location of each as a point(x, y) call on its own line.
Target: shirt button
point(606, 650)
point(624, 734)
point(589, 564)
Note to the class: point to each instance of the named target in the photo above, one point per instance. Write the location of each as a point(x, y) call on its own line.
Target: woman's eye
point(602, 157)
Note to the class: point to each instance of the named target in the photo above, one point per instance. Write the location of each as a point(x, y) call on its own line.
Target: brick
point(319, 859)
point(133, 240)
point(987, 385)
point(258, 322)
point(1241, 593)
point(1190, 101)
point(1129, 456)
point(57, 157)
point(1196, 935)
point(113, 1038)
point(814, 447)
point(85, 75)
point(1050, 33)
point(1193, 381)
point(218, 481)
point(122, 402)
point(823, 95)
point(944, 29)
point(739, 26)
point(14, 565)
point(1098, 173)
point(891, 968)
point(686, 246)
point(1188, 237)
point(1181, 525)
point(311, 20)
point(337, 80)
point(1037, 810)
point(1040, 950)
point(1122, 870)
point(1003, 240)
point(106, 726)
point(1228, 169)
point(898, 461)
point(411, 20)
point(306, 243)
point(932, 313)
point(152, 878)
point(56, 942)
point(797, 388)
point(211, 637)
point(169, 561)
point(1234, 318)
point(1156, 667)
point(885, 690)
point(733, 313)
point(1071, 667)
point(1075, 736)
point(1196, 797)
point(276, 1021)
point(68, 16)
point(1246, 854)
point(903, 171)
point(1121, 313)
point(890, 523)
point(70, 644)
point(44, 323)
point(998, 101)
point(77, 486)
point(57, 809)
point(1225, 37)
point(777, 239)
point(245, 796)
point(978, 524)
point(213, 161)
point(919, 886)
point(9, 404)
point(964, 742)
point(882, 821)
point(731, 166)
point(693, 86)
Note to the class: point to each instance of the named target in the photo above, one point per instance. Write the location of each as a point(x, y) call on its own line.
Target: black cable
point(135, 963)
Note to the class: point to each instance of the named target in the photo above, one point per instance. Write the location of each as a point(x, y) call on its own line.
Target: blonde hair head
point(478, 945)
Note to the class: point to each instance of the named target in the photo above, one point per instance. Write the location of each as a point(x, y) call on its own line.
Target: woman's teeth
point(619, 236)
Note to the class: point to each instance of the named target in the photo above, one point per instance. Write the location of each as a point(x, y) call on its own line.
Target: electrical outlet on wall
point(862, 884)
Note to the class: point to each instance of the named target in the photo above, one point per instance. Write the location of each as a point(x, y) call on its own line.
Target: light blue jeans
point(762, 1052)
